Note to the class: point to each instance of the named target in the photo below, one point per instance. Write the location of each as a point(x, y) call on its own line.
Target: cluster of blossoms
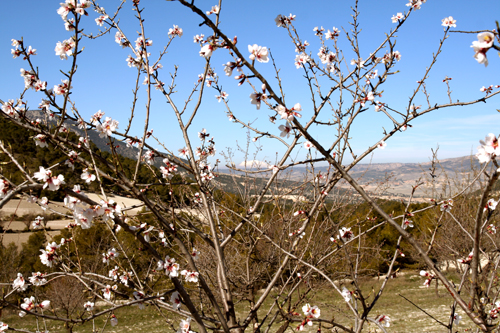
point(389, 57)
point(215, 10)
point(37, 279)
point(449, 22)
point(211, 44)
point(70, 162)
point(65, 48)
point(197, 199)
point(327, 58)
point(30, 304)
point(168, 170)
point(63, 88)
point(415, 4)
point(84, 216)
point(17, 51)
point(71, 6)
point(289, 114)
point(223, 96)
point(49, 255)
point(108, 209)
point(13, 109)
point(429, 277)
point(207, 149)
point(45, 175)
point(121, 40)
point(170, 266)
point(397, 17)
point(106, 292)
point(106, 128)
point(489, 148)
point(206, 174)
point(141, 43)
point(284, 21)
point(495, 310)
point(124, 277)
point(111, 254)
point(258, 53)
point(489, 89)
point(175, 31)
point(309, 313)
point(369, 97)
point(301, 60)
point(31, 80)
point(100, 20)
point(190, 276)
point(148, 157)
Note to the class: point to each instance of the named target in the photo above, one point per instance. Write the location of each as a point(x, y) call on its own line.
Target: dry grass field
point(405, 317)
point(21, 207)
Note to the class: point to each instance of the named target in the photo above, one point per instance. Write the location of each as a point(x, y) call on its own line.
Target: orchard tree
point(196, 250)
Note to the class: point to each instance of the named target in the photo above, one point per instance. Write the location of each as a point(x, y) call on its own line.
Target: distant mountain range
point(392, 180)
point(396, 180)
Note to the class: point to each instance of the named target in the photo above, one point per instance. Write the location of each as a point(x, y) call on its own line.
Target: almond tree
point(212, 250)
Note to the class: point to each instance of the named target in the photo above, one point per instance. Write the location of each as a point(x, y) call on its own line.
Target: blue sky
point(104, 81)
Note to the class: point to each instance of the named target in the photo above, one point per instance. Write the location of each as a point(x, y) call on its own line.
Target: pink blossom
point(214, 10)
point(223, 95)
point(258, 52)
point(184, 152)
point(87, 176)
point(100, 20)
point(175, 31)
point(285, 130)
point(481, 46)
point(301, 60)
point(170, 266)
point(308, 145)
point(65, 48)
point(382, 144)
point(19, 283)
point(206, 50)
point(175, 299)
point(63, 88)
point(398, 16)
point(383, 320)
point(198, 38)
point(332, 34)
point(190, 276)
point(449, 22)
